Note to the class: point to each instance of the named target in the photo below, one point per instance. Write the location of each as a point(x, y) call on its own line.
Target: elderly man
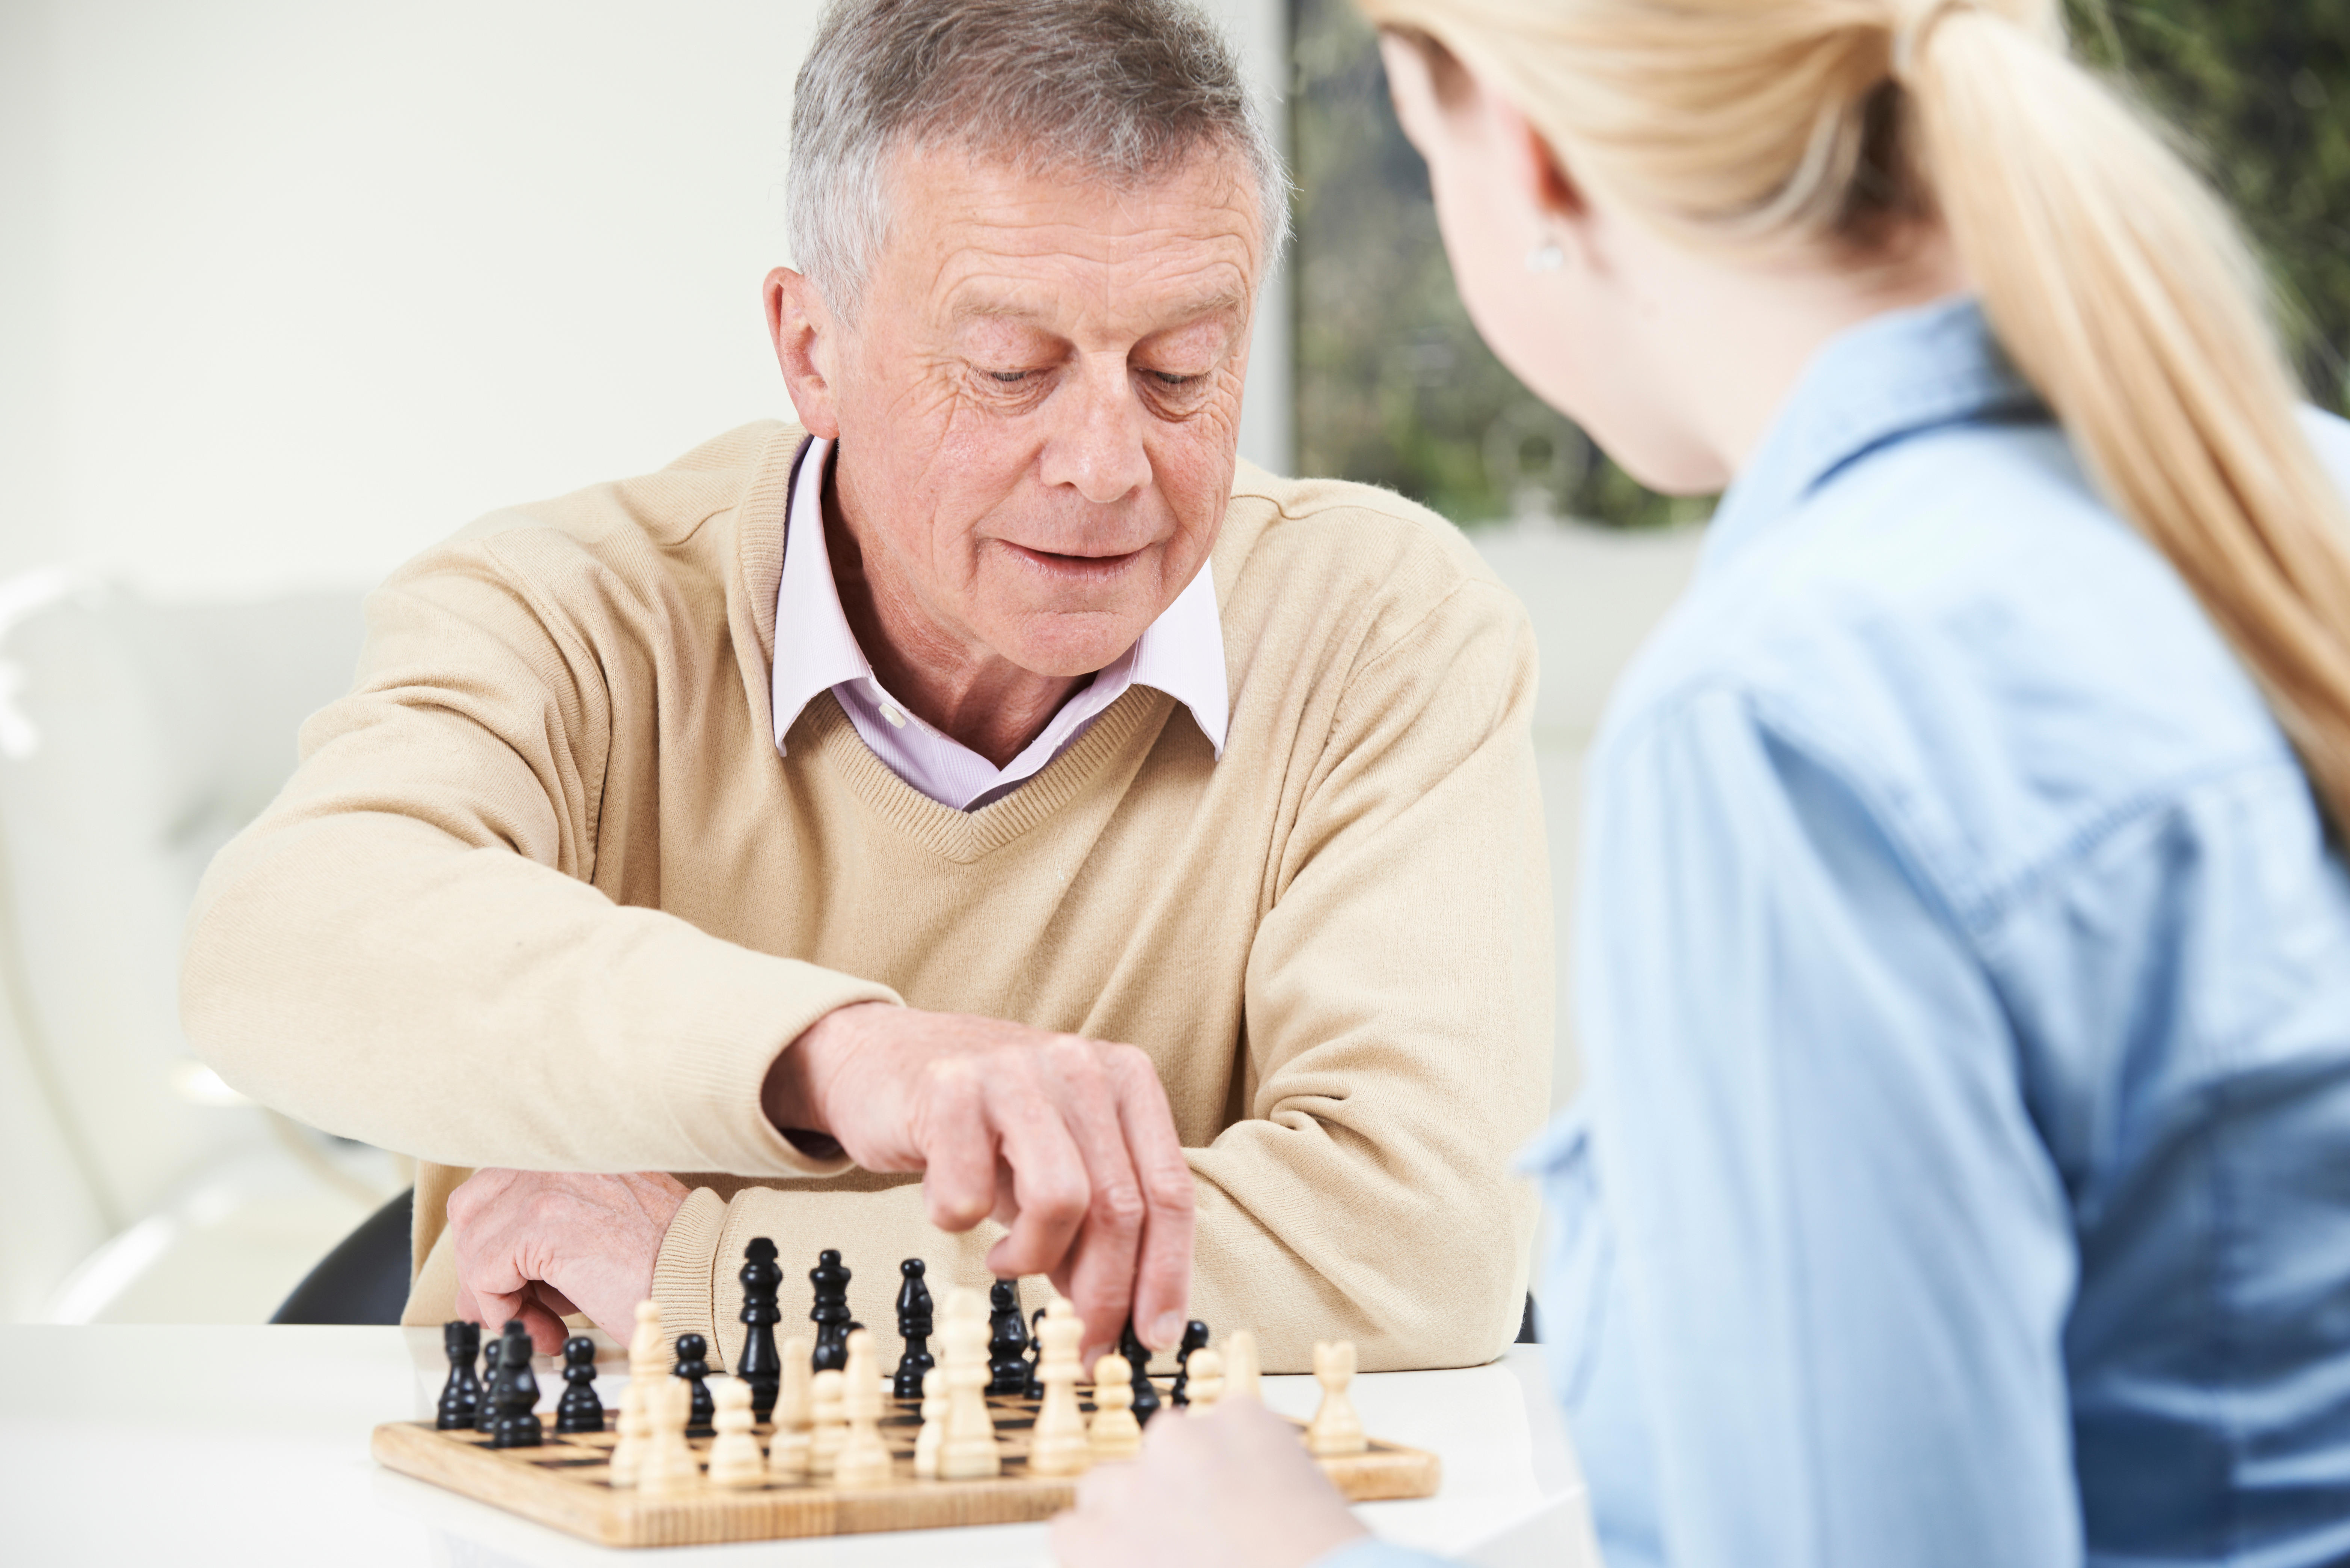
point(984, 805)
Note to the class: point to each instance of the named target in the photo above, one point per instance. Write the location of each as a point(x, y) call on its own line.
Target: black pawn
point(1035, 1389)
point(693, 1366)
point(1146, 1392)
point(830, 1313)
point(493, 1376)
point(1195, 1337)
point(760, 1366)
point(461, 1397)
point(580, 1410)
point(517, 1426)
point(914, 1325)
point(1007, 1345)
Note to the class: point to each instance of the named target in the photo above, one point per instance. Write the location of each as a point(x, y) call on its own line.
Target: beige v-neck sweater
point(543, 894)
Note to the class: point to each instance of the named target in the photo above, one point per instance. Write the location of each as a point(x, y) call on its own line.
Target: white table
point(138, 1445)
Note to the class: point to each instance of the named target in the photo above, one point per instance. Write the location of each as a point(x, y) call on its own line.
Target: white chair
point(135, 738)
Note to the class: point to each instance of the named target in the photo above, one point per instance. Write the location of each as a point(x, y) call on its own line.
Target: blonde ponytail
point(2116, 281)
point(2120, 288)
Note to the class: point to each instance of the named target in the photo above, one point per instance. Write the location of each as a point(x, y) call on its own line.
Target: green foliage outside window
point(1394, 386)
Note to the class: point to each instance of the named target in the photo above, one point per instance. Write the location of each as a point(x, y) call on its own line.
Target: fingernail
point(1168, 1332)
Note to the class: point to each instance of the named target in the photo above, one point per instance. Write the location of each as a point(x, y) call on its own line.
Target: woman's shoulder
point(1957, 621)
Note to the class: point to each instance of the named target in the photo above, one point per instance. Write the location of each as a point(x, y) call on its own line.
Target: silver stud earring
point(1546, 259)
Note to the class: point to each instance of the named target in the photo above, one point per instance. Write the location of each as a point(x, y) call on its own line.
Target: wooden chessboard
point(563, 1483)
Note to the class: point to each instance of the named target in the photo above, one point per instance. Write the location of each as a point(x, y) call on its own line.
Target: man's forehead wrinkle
point(988, 291)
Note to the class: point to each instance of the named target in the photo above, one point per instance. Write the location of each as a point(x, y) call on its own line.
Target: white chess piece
point(864, 1457)
point(1115, 1434)
point(1058, 1445)
point(1240, 1367)
point(1335, 1428)
point(669, 1466)
point(647, 1354)
point(831, 1418)
point(934, 1424)
point(648, 1347)
point(1205, 1384)
point(787, 1457)
point(967, 1450)
point(636, 1427)
point(734, 1459)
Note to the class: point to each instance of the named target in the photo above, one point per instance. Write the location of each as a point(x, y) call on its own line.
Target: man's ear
point(808, 339)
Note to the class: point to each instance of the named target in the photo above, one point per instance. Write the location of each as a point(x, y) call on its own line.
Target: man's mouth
point(1073, 565)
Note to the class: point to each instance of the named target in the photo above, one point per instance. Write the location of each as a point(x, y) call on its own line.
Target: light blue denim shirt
point(1963, 1174)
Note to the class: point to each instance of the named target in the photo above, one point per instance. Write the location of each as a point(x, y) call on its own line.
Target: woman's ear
point(1529, 163)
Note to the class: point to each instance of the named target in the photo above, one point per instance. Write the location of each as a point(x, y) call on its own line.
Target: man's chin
point(1066, 642)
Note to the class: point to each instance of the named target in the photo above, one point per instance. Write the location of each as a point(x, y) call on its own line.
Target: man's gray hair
point(1123, 90)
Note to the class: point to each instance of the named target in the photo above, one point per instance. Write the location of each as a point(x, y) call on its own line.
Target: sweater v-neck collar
point(962, 836)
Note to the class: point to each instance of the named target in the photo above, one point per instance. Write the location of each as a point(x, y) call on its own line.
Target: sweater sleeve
point(417, 909)
point(1397, 1017)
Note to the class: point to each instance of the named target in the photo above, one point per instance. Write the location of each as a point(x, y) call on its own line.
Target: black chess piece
point(1007, 1345)
point(580, 1410)
point(493, 1375)
point(1146, 1392)
point(1035, 1389)
point(693, 1366)
point(914, 1325)
point(517, 1426)
point(760, 1366)
point(461, 1397)
point(1195, 1337)
point(830, 1313)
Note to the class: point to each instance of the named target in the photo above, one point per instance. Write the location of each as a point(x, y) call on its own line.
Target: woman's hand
point(1234, 1487)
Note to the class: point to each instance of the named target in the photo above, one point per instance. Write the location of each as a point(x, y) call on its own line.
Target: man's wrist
point(792, 1096)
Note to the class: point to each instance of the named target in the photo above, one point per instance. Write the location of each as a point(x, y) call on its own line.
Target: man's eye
point(1173, 382)
point(1009, 378)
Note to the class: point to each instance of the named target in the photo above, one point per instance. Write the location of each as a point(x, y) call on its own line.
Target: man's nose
point(1097, 444)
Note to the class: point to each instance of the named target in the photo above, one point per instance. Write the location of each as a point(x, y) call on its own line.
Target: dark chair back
point(365, 1278)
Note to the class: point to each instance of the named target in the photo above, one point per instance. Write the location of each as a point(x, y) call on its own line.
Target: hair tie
point(1909, 39)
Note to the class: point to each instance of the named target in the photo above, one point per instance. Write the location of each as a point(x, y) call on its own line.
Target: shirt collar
point(1892, 376)
point(1180, 653)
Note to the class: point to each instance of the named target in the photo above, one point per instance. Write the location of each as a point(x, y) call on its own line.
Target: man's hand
point(1067, 1141)
point(1234, 1487)
point(537, 1246)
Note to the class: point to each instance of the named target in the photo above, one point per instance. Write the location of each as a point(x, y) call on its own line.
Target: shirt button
point(897, 719)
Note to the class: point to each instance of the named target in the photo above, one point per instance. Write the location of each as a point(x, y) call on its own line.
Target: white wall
point(289, 289)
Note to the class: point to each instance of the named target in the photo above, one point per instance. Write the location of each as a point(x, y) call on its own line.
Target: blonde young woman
point(1964, 1173)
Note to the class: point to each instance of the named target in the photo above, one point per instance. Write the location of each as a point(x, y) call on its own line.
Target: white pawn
point(788, 1457)
point(646, 1354)
point(669, 1466)
point(636, 1427)
point(934, 1424)
point(1115, 1434)
point(1335, 1428)
point(1058, 1445)
point(967, 1450)
point(831, 1421)
point(734, 1458)
point(1240, 1367)
point(1206, 1383)
point(864, 1459)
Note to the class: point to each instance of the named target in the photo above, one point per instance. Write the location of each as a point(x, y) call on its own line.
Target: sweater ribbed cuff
point(711, 1079)
point(682, 1274)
